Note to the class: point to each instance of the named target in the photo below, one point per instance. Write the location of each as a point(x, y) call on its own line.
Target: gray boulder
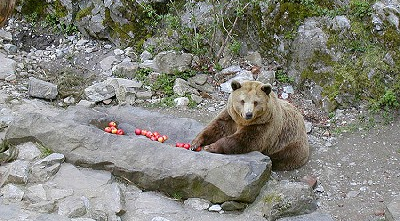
point(170, 61)
point(42, 89)
point(99, 92)
point(7, 66)
point(284, 199)
point(78, 134)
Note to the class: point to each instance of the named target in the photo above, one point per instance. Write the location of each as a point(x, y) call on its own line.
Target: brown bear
point(255, 119)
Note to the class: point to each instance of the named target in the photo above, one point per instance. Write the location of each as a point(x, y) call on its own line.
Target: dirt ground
point(357, 174)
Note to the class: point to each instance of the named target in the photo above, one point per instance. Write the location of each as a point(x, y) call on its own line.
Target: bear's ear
point(267, 88)
point(235, 85)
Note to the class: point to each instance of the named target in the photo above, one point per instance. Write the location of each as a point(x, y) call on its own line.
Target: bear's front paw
point(197, 142)
point(212, 148)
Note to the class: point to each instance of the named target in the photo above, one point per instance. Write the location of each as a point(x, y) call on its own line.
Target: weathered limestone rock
point(72, 207)
point(99, 92)
point(181, 87)
point(42, 170)
point(197, 203)
point(78, 134)
point(170, 61)
point(11, 192)
point(241, 76)
point(28, 151)
point(17, 173)
point(42, 89)
point(283, 199)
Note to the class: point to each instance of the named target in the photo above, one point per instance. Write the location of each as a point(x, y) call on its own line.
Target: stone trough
point(77, 132)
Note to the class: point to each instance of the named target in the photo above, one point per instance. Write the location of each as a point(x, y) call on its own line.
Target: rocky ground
point(355, 157)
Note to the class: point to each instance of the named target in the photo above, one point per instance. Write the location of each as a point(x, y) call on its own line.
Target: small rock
point(352, 194)
point(28, 151)
point(11, 192)
point(284, 96)
point(320, 189)
point(42, 89)
point(69, 100)
point(233, 205)
point(159, 218)
point(215, 208)
point(288, 89)
point(82, 42)
point(72, 207)
point(143, 95)
point(6, 35)
point(181, 101)
point(145, 56)
point(118, 52)
point(107, 63)
point(10, 48)
point(310, 180)
point(197, 203)
point(17, 173)
point(308, 126)
point(196, 98)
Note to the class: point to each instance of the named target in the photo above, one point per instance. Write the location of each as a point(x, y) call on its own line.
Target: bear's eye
point(242, 102)
point(255, 103)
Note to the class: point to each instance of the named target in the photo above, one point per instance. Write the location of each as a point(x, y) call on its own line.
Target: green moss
point(272, 198)
point(30, 7)
point(84, 12)
point(60, 10)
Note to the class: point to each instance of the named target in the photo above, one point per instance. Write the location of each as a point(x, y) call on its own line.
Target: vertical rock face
point(150, 165)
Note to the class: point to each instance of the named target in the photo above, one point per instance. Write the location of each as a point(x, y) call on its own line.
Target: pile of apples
point(112, 128)
point(154, 136)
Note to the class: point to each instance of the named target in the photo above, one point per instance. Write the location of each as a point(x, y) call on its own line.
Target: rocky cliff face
point(338, 52)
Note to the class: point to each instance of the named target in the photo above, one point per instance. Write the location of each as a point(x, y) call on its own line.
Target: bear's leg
point(223, 125)
point(237, 143)
point(293, 156)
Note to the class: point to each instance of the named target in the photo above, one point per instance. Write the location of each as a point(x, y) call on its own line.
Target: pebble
point(215, 208)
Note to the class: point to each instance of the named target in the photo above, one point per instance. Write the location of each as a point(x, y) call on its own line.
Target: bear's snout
point(248, 115)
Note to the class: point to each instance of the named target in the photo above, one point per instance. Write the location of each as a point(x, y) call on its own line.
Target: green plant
point(235, 47)
point(388, 100)
point(44, 150)
point(360, 8)
point(283, 77)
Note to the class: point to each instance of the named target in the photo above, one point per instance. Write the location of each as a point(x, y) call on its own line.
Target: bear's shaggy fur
point(255, 119)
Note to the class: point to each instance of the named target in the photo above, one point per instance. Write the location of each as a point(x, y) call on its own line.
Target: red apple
point(144, 132)
point(107, 129)
point(198, 149)
point(153, 138)
point(114, 130)
point(149, 134)
point(165, 137)
point(179, 144)
point(156, 134)
point(112, 124)
point(186, 146)
point(138, 131)
point(120, 132)
point(161, 139)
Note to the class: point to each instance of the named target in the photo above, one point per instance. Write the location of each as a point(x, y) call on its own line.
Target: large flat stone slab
point(78, 134)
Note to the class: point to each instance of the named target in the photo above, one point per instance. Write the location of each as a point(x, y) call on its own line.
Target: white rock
point(181, 101)
point(215, 208)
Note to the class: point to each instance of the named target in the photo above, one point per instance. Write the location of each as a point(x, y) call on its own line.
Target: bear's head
point(249, 101)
